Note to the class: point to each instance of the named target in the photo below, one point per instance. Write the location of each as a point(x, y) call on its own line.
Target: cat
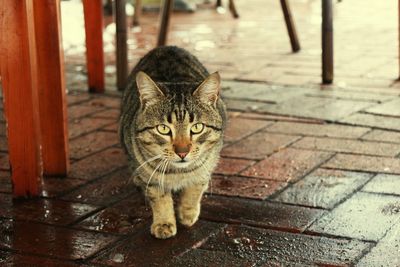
point(171, 127)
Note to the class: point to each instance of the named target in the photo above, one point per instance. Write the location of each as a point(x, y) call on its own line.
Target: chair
point(327, 32)
point(167, 10)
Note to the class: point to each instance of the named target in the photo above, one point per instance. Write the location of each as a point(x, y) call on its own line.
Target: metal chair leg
point(122, 49)
point(138, 12)
point(165, 18)
point(232, 8)
point(294, 41)
point(327, 42)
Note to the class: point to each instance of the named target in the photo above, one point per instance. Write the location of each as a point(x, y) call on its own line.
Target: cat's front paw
point(163, 230)
point(188, 216)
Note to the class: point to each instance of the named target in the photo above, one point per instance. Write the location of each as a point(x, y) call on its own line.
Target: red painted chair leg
point(19, 80)
point(52, 106)
point(93, 12)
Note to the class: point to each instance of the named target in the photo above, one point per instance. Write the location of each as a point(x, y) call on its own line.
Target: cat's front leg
point(189, 206)
point(162, 205)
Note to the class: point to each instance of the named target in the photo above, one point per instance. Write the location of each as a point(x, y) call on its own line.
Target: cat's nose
point(182, 150)
point(182, 155)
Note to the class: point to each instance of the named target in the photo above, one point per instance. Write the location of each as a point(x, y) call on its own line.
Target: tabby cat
point(171, 126)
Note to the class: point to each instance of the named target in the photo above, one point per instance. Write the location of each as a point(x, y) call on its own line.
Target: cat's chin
point(181, 164)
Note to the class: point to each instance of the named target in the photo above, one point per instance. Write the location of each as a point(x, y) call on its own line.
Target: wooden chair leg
point(20, 87)
point(52, 99)
point(327, 42)
point(165, 18)
point(219, 3)
point(122, 57)
point(138, 12)
point(294, 41)
point(93, 12)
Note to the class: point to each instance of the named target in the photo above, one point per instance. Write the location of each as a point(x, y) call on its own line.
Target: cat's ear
point(148, 91)
point(208, 90)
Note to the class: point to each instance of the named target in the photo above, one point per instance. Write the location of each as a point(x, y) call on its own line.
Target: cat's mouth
point(183, 163)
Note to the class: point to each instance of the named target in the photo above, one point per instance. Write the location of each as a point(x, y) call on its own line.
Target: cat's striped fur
point(171, 89)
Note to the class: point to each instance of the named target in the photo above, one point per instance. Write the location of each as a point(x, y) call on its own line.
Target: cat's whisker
point(147, 161)
point(152, 174)
point(202, 164)
point(162, 171)
point(163, 174)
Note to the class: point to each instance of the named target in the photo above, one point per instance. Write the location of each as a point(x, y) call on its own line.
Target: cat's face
point(180, 125)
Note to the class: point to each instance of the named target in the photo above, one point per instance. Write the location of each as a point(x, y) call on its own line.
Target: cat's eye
point(197, 128)
point(163, 129)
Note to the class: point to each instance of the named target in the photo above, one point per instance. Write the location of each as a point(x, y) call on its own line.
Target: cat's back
point(171, 64)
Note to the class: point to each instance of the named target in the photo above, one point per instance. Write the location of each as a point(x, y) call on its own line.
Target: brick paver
point(49, 211)
point(348, 146)
point(324, 130)
point(388, 246)
point(365, 216)
point(132, 253)
point(239, 128)
point(83, 126)
point(371, 120)
point(244, 186)
point(384, 183)
point(91, 143)
point(323, 188)
point(260, 214)
point(288, 165)
point(364, 163)
point(99, 164)
point(229, 166)
point(390, 108)
point(263, 246)
point(383, 136)
point(51, 241)
point(258, 145)
point(126, 216)
point(103, 191)
point(309, 174)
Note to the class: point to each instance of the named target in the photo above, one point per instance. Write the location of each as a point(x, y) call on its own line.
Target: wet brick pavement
point(309, 174)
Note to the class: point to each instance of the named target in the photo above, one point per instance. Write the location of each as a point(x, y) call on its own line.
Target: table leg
point(20, 88)
point(93, 12)
point(52, 99)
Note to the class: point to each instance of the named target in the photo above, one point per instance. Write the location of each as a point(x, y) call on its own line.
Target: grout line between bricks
point(347, 197)
point(289, 184)
point(92, 153)
point(256, 161)
point(377, 242)
point(101, 207)
point(89, 182)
